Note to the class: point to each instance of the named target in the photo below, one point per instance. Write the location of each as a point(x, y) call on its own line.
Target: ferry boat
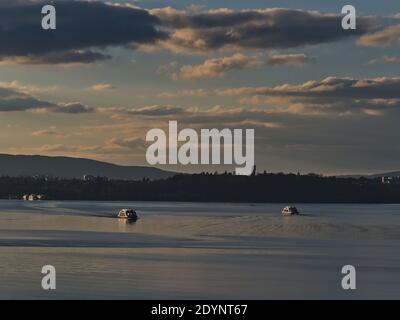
point(127, 214)
point(290, 211)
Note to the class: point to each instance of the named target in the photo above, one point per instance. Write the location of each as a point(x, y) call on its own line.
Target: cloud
point(63, 148)
point(79, 37)
point(330, 96)
point(197, 117)
point(48, 133)
point(217, 68)
point(70, 57)
point(30, 88)
point(129, 143)
point(199, 93)
point(72, 108)
point(78, 149)
point(102, 87)
point(13, 98)
point(147, 111)
point(385, 60)
point(167, 69)
point(297, 59)
point(377, 88)
point(112, 147)
point(231, 117)
point(382, 38)
point(274, 28)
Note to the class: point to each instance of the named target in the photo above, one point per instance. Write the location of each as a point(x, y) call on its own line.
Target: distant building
point(386, 180)
point(390, 180)
point(41, 177)
point(88, 177)
point(33, 197)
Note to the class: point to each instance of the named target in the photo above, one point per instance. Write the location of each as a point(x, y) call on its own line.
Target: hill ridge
point(71, 167)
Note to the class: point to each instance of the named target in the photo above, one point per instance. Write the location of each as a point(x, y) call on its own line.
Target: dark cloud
point(81, 26)
point(14, 99)
point(296, 59)
point(378, 88)
point(63, 57)
point(86, 28)
point(332, 95)
point(255, 29)
point(75, 107)
point(148, 111)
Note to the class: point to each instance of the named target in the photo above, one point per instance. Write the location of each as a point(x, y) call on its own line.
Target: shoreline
point(205, 202)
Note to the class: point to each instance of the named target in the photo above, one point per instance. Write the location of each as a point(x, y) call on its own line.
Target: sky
point(320, 98)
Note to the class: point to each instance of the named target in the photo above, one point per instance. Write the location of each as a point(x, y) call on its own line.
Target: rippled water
point(197, 250)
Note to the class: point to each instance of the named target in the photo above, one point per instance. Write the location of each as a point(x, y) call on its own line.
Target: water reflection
point(125, 225)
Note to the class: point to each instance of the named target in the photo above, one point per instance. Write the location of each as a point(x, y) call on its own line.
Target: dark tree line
point(285, 188)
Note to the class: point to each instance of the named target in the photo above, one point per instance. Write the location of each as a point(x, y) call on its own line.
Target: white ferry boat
point(290, 211)
point(128, 214)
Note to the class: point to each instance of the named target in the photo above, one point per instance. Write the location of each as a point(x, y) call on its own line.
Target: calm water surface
point(198, 250)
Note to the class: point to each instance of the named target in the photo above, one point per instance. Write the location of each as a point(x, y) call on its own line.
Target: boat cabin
point(127, 214)
point(290, 211)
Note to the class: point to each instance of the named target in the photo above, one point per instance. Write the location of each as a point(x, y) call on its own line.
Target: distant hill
point(387, 174)
point(372, 176)
point(66, 167)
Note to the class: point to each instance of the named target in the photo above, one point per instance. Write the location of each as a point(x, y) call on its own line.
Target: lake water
point(198, 251)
